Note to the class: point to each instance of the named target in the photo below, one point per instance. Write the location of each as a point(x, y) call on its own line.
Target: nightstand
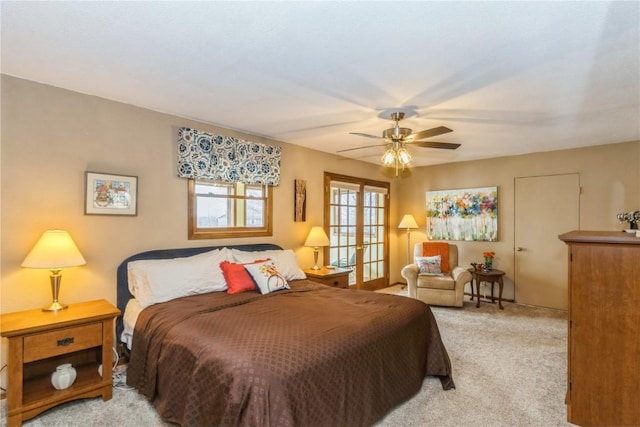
point(39, 341)
point(336, 277)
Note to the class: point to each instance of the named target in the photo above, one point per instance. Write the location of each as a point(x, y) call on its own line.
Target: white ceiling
point(507, 77)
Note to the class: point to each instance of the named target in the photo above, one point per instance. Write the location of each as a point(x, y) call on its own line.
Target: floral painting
point(469, 214)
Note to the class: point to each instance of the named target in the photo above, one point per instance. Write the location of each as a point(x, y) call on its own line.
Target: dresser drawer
point(62, 341)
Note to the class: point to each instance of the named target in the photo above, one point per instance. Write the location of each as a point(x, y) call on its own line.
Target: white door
point(545, 206)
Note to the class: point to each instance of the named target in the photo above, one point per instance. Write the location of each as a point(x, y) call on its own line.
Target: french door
point(356, 220)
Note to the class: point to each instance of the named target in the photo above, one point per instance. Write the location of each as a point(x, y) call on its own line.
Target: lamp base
point(55, 306)
point(55, 279)
point(316, 251)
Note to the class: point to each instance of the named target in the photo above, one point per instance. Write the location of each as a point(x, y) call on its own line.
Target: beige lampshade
point(55, 250)
point(317, 237)
point(408, 221)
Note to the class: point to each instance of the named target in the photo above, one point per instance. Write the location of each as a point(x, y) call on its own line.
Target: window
point(222, 209)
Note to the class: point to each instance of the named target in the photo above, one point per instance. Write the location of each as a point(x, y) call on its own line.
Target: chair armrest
point(410, 272)
point(461, 275)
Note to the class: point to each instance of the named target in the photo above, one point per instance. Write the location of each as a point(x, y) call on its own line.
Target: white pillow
point(267, 276)
point(160, 280)
point(429, 265)
point(285, 261)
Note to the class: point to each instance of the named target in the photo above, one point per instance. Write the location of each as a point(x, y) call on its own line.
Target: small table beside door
point(487, 276)
point(337, 277)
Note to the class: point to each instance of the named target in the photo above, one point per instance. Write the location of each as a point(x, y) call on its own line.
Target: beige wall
point(609, 179)
point(51, 136)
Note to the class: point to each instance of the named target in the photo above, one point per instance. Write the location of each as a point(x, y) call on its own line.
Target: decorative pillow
point(437, 248)
point(267, 277)
point(160, 280)
point(285, 261)
point(429, 265)
point(237, 277)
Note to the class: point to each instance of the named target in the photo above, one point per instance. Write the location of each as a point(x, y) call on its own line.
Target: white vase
point(64, 376)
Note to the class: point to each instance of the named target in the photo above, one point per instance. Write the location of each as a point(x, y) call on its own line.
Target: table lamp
point(54, 251)
point(408, 222)
point(316, 238)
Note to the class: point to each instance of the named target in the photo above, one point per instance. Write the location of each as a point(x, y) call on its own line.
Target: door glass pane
point(374, 234)
point(342, 227)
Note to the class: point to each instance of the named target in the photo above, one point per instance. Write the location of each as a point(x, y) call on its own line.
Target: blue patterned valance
point(228, 159)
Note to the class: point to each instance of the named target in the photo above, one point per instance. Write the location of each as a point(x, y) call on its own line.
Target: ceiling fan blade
point(359, 148)
point(434, 144)
point(428, 133)
point(366, 135)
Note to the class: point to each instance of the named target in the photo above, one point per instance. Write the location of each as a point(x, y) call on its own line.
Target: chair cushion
point(438, 248)
point(445, 282)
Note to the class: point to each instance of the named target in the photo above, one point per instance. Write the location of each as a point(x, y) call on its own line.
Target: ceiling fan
point(397, 137)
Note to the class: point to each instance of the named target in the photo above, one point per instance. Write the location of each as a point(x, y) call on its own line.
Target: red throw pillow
point(438, 248)
point(238, 279)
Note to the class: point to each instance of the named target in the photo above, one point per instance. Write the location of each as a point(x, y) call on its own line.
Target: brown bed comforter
point(310, 356)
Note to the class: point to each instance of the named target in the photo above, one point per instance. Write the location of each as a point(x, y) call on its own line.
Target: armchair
point(447, 290)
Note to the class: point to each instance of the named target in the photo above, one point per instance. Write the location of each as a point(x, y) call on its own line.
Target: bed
point(310, 355)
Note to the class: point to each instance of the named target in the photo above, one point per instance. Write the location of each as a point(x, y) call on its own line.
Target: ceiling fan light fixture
point(403, 156)
point(389, 157)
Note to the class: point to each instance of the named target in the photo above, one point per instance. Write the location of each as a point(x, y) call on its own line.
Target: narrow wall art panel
point(300, 194)
point(467, 214)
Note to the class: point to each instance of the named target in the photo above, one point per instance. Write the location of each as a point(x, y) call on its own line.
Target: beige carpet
point(509, 367)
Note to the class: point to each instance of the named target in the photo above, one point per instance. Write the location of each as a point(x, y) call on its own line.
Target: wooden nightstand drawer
point(337, 277)
point(337, 282)
point(62, 341)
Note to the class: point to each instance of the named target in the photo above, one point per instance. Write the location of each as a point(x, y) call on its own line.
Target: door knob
point(518, 248)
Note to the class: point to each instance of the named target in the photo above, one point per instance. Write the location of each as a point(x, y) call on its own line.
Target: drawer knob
point(65, 341)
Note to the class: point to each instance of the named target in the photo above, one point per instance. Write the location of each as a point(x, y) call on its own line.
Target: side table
point(336, 277)
point(39, 341)
point(487, 276)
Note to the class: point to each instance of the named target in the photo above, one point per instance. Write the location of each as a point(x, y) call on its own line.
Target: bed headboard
point(122, 277)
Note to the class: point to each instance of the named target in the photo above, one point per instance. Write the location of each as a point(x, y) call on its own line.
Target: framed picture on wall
point(467, 214)
point(300, 195)
point(110, 194)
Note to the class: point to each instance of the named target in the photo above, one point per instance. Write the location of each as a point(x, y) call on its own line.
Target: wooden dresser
point(604, 328)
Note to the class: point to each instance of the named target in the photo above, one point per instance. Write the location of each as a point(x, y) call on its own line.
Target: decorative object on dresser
point(604, 339)
point(337, 277)
point(54, 251)
point(41, 342)
point(436, 278)
point(408, 222)
point(110, 194)
point(631, 217)
point(316, 238)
